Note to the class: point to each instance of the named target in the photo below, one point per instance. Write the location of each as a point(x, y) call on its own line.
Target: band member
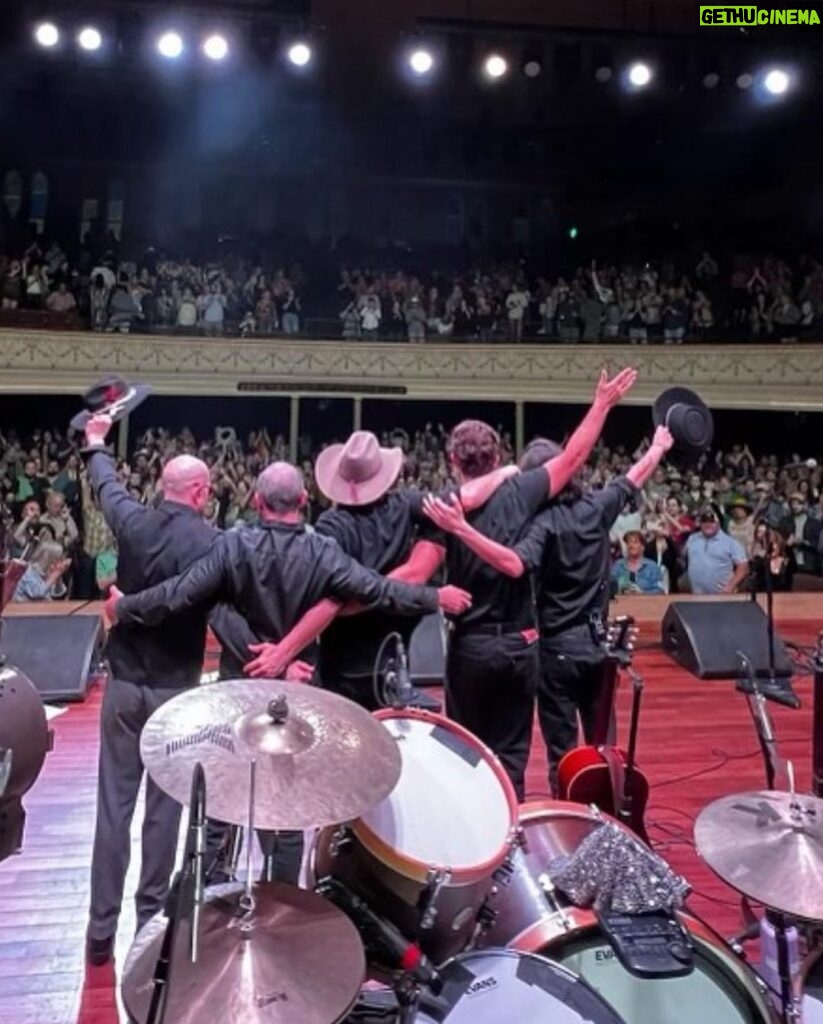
point(383, 529)
point(567, 549)
point(275, 572)
point(148, 666)
point(492, 667)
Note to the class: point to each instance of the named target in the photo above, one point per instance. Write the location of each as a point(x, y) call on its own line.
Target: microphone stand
point(184, 901)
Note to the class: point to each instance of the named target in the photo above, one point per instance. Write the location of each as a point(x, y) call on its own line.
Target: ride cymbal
point(320, 759)
point(769, 846)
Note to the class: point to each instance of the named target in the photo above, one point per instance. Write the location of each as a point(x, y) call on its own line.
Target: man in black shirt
point(383, 529)
point(567, 550)
point(148, 666)
point(493, 667)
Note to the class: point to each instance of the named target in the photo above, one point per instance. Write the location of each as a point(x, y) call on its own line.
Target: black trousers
point(283, 852)
point(571, 683)
point(126, 709)
point(491, 681)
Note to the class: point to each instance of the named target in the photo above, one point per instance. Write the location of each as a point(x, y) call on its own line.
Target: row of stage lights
point(170, 44)
point(421, 62)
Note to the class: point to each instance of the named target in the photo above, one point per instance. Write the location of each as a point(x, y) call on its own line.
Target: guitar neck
point(605, 709)
point(637, 697)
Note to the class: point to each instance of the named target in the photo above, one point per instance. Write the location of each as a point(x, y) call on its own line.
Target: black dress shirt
point(568, 549)
point(153, 544)
point(379, 536)
point(272, 575)
point(499, 599)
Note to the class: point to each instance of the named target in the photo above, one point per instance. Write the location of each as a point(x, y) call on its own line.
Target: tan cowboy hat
point(359, 471)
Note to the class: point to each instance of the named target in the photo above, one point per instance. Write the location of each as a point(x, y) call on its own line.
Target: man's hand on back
point(110, 605)
point(453, 600)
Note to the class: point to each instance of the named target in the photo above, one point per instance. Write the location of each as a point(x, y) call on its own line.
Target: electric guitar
point(604, 774)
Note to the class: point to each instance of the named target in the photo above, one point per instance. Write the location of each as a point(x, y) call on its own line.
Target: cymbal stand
point(247, 902)
point(408, 992)
point(791, 1004)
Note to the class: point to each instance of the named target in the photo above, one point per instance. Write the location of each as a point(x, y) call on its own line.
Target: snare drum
point(425, 856)
point(498, 985)
point(720, 990)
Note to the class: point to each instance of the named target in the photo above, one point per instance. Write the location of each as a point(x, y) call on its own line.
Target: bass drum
point(813, 990)
point(499, 985)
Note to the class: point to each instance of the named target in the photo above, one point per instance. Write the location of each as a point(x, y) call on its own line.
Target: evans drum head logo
point(481, 985)
point(604, 956)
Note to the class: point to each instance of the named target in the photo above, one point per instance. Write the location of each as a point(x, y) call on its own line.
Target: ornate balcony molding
point(737, 376)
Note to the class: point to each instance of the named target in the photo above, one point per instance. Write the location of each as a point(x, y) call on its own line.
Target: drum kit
point(432, 902)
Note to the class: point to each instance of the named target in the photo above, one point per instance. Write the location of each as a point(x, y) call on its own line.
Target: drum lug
point(340, 840)
point(504, 873)
point(486, 917)
point(435, 881)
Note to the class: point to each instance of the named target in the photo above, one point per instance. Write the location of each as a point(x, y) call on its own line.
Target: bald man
point(148, 666)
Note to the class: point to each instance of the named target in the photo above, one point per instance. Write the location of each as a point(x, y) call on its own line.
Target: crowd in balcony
point(752, 298)
point(769, 512)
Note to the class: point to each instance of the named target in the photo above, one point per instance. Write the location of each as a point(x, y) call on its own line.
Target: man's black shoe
point(99, 951)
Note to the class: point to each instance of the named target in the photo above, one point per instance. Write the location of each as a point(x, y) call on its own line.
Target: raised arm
point(608, 393)
point(644, 467)
point(114, 500)
point(449, 516)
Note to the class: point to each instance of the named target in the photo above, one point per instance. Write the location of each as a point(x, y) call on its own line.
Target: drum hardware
point(550, 892)
point(341, 839)
point(435, 882)
point(817, 728)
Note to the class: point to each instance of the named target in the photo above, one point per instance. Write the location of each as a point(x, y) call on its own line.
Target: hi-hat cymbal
point(320, 759)
point(769, 846)
point(297, 958)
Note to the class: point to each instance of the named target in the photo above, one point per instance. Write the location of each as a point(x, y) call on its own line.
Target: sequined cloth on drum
point(612, 870)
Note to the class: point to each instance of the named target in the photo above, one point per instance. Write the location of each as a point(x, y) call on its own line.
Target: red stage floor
point(696, 744)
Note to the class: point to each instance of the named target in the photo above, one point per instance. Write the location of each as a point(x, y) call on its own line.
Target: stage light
point(89, 39)
point(421, 62)
point(170, 45)
point(216, 47)
point(47, 34)
point(745, 81)
point(573, 232)
point(640, 75)
point(711, 80)
point(776, 81)
point(603, 74)
point(532, 68)
point(496, 66)
point(299, 54)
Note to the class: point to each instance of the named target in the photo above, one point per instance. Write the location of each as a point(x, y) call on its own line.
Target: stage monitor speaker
point(427, 652)
point(56, 652)
point(705, 636)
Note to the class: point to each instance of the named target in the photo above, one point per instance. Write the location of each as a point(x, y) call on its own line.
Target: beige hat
point(359, 471)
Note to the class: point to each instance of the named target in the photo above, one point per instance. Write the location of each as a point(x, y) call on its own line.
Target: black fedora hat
point(112, 396)
point(688, 418)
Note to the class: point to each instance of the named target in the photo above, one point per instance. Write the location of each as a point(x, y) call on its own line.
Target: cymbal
point(297, 958)
point(769, 846)
point(320, 758)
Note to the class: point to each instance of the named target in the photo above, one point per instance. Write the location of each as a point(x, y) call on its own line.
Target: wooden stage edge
point(647, 610)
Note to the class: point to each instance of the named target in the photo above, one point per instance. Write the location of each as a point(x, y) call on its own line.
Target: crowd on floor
point(768, 514)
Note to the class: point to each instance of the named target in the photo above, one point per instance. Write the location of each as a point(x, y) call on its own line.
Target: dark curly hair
point(475, 448)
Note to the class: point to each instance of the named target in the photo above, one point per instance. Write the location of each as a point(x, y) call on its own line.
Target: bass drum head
point(720, 989)
point(497, 986)
point(813, 991)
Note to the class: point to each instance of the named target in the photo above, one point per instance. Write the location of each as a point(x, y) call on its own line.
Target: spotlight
point(216, 47)
point(299, 54)
point(421, 62)
point(640, 75)
point(496, 66)
point(89, 39)
point(603, 74)
point(745, 81)
point(532, 68)
point(776, 81)
point(170, 45)
point(573, 232)
point(47, 34)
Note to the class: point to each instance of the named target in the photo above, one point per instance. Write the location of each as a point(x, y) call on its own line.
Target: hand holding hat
point(687, 417)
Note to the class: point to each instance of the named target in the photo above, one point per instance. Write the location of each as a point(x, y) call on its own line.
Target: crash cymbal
point(320, 759)
point(297, 958)
point(769, 846)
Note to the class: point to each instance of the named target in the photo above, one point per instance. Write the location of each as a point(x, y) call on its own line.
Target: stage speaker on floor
point(705, 636)
point(58, 653)
point(427, 651)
